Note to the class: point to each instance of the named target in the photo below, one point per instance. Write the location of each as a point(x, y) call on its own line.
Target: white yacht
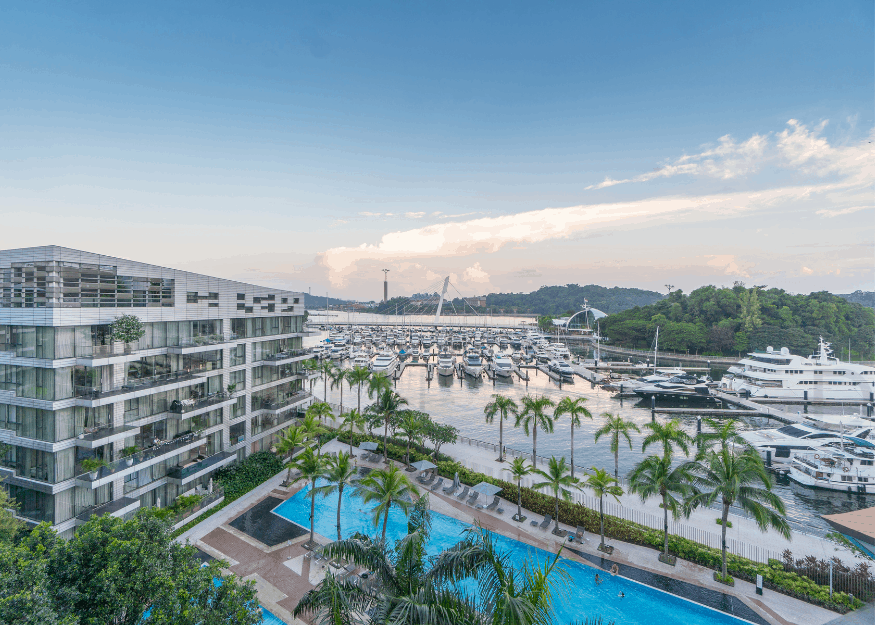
point(562, 368)
point(685, 386)
point(839, 466)
point(446, 365)
point(472, 365)
point(784, 441)
point(361, 360)
point(385, 362)
point(560, 351)
point(337, 352)
point(780, 374)
point(502, 366)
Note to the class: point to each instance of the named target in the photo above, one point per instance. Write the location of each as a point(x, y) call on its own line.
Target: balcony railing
point(159, 448)
point(208, 498)
point(113, 507)
point(188, 405)
point(210, 339)
point(278, 404)
point(269, 422)
point(92, 392)
point(180, 473)
point(291, 353)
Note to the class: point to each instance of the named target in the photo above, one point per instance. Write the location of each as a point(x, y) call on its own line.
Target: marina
point(459, 398)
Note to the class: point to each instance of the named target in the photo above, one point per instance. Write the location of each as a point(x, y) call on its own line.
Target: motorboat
point(686, 386)
point(780, 443)
point(560, 350)
point(502, 366)
point(472, 364)
point(841, 466)
point(385, 362)
point(361, 360)
point(446, 365)
point(562, 368)
point(337, 352)
point(780, 374)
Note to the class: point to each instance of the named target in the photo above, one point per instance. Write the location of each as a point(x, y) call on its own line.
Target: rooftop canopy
point(423, 465)
point(369, 446)
point(486, 489)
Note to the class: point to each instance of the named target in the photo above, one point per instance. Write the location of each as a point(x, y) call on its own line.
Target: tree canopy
point(726, 321)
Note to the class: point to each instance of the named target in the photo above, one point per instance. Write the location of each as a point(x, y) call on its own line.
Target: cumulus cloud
point(475, 273)
point(826, 212)
point(414, 215)
point(796, 147)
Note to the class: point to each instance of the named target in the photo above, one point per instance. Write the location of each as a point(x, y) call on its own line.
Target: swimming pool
point(641, 605)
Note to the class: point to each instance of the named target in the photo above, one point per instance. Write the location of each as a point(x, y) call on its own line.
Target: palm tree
point(325, 367)
point(354, 419)
point(519, 470)
point(289, 441)
point(378, 383)
point(388, 487)
point(725, 433)
point(532, 416)
point(406, 594)
point(411, 426)
point(505, 595)
point(503, 406)
point(616, 427)
point(337, 377)
point(311, 468)
point(320, 410)
point(667, 435)
point(654, 476)
point(557, 479)
point(312, 428)
point(733, 477)
point(575, 409)
point(603, 483)
point(387, 404)
point(339, 472)
point(357, 376)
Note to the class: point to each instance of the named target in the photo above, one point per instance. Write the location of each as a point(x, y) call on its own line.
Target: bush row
point(774, 575)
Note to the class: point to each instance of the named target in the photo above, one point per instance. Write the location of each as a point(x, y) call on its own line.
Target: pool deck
point(282, 576)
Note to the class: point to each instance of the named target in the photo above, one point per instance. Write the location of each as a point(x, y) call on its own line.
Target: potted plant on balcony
point(128, 454)
point(127, 329)
point(232, 388)
point(92, 466)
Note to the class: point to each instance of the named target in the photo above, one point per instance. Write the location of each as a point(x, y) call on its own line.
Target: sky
point(508, 145)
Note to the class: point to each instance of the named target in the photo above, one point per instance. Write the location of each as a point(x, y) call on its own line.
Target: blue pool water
point(575, 599)
point(270, 619)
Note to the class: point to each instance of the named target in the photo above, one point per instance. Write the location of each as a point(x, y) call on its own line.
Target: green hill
point(556, 300)
point(727, 321)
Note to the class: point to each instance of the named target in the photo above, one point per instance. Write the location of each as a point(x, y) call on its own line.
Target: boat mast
point(655, 348)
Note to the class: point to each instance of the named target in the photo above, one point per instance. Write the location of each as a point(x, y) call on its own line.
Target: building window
point(241, 297)
point(191, 297)
point(213, 296)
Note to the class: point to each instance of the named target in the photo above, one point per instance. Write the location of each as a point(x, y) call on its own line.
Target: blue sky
point(310, 144)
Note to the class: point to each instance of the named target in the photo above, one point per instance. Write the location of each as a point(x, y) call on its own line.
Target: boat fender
point(845, 469)
point(817, 456)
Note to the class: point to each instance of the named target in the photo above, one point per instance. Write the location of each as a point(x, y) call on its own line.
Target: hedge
point(774, 575)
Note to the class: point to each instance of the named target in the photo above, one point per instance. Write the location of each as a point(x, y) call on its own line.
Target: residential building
point(216, 377)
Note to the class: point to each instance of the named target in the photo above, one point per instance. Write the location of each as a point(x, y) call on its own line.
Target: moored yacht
point(837, 466)
point(502, 366)
point(472, 364)
point(784, 441)
point(686, 386)
point(361, 360)
point(446, 365)
point(780, 374)
point(385, 362)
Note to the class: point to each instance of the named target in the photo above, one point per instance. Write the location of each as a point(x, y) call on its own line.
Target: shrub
point(241, 477)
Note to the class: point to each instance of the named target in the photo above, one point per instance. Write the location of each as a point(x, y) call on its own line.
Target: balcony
point(208, 499)
point(188, 406)
point(133, 386)
point(269, 422)
point(275, 406)
point(105, 436)
point(186, 473)
point(118, 508)
point(140, 460)
point(282, 358)
point(200, 343)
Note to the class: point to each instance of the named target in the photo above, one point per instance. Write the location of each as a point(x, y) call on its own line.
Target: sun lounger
point(473, 499)
point(494, 504)
point(463, 494)
point(578, 535)
point(437, 484)
point(547, 520)
point(450, 489)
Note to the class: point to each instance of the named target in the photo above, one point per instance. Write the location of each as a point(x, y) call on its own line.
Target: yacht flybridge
point(446, 365)
point(837, 466)
point(385, 362)
point(784, 441)
point(780, 374)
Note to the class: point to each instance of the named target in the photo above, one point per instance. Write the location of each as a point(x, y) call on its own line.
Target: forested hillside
point(726, 321)
point(866, 298)
point(556, 300)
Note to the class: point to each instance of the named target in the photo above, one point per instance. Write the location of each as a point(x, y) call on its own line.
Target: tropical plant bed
point(720, 522)
point(724, 580)
point(668, 559)
point(608, 549)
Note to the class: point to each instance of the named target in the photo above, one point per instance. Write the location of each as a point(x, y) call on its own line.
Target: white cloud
point(414, 215)
point(475, 273)
point(842, 211)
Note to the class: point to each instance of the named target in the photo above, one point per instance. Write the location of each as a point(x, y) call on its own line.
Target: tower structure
point(385, 285)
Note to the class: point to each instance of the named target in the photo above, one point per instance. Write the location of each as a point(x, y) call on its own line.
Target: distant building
point(216, 377)
point(476, 302)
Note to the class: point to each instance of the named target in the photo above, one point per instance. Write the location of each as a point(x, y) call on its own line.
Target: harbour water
point(461, 403)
